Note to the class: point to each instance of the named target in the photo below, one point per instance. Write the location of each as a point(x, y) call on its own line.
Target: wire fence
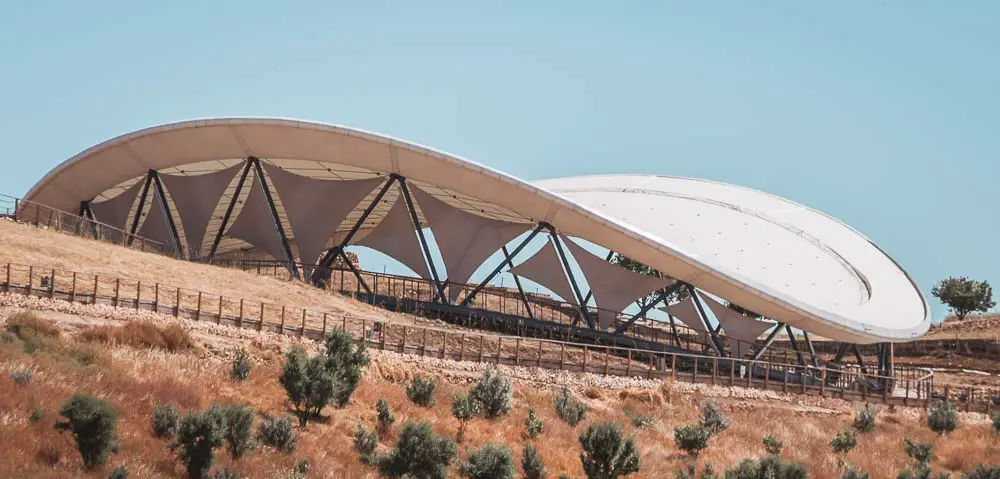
point(852, 383)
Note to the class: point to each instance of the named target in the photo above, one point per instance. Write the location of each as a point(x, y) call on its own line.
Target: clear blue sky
point(886, 116)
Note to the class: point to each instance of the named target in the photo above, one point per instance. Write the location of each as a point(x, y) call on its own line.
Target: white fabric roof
point(765, 253)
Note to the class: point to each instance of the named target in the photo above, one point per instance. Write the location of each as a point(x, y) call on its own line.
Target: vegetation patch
point(141, 334)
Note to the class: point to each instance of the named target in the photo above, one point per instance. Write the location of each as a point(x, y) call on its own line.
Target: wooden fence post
point(118, 285)
point(586, 353)
point(499, 348)
point(93, 300)
point(218, 320)
point(6, 283)
point(239, 320)
point(444, 343)
point(423, 343)
point(197, 314)
point(177, 307)
point(628, 367)
point(52, 284)
point(822, 384)
point(673, 366)
point(282, 328)
point(461, 349)
point(31, 277)
point(72, 291)
point(606, 355)
point(138, 294)
point(156, 297)
point(694, 371)
point(260, 324)
point(302, 332)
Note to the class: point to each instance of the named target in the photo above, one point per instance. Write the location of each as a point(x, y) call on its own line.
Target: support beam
point(767, 342)
point(138, 212)
point(168, 216)
point(812, 350)
point(331, 254)
point(229, 211)
point(506, 262)
point(861, 360)
point(86, 213)
point(673, 330)
point(569, 273)
point(420, 235)
point(795, 345)
point(279, 230)
point(662, 296)
point(713, 340)
point(517, 281)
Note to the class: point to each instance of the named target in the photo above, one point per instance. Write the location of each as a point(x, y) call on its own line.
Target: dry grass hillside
point(132, 378)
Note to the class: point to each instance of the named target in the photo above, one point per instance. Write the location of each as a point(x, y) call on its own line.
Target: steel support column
point(673, 330)
point(423, 240)
point(506, 262)
point(517, 281)
point(86, 213)
point(713, 339)
point(795, 345)
point(572, 279)
point(229, 211)
point(139, 209)
point(662, 296)
point(168, 216)
point(861, 360)
point(812, 349)
point(279, 230)
point(767, 342)
point(331, 254)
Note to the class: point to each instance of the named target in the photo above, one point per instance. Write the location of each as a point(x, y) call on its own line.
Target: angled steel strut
point(572, 279)
point(168, 216)
point(139, 209)
point(405, 190)
point(229, 210)
point(505, 263)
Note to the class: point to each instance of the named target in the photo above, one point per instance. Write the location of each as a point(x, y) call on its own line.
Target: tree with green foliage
point(843, 443)
point(239, 429)
point(421, 391)
point(963, 295)
point(864, 421)
point(531, 463)
point(607, 454)
point(464, 408)
point(773, 446)
point(771, 467)
point(308, 383)
point(93, 424)
point(712, 419)
point(365, 444)
point(922, 454)
point(569, 409)
point(982, 471)
point(419, 453)
point(492, 461)
point(494, 393)
point(943, 417)
point(347, 362)
point(691, 439)
point(385, 417)
point(533, 425)
point(165, 420)
point(198, 436)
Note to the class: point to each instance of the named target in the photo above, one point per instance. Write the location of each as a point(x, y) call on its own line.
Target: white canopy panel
point(767, 254)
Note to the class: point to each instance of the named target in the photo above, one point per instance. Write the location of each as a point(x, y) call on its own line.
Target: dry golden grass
point(133, 379)
point(27, 322)
point(142, 334)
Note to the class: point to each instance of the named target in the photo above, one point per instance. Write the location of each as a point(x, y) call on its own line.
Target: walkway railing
point(828, 381)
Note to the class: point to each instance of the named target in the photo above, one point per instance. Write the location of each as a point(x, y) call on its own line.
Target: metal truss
point(138, 212)
point(229, 211)
point(767, 342)
point(660, 297)
point(279, 230)
point(714, 338)
point(507, 262)
point(168, 216)
point(420, 234)
point(795, 345)
point(572, 279)
point(517, 281)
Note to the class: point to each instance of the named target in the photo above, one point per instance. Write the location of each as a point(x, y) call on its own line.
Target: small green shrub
point(607, 454)
point(119, 473)
point(492, 461)
point(843, 443)
point(773, 446)
point(983, 472)
point(771, 467)
point(418, 453)
point(226, 473)
point(239, 369)
point(996, 422)
point(302, 468)
point(346, 361)
point(239, 429)
point(533, 424)
point(36, 415)
point(385, 417)
point(692, 473)
point(464, 409)
point(93, 423)
point(943, 417)
point(531, 463)
point(569, 409)
point(365, 444)
point(278, 433)
point(853, 473)
point(639, 420)
point(712, 420)
point(494, 393)
point(920, 453)
point(21, 376)
point(309, 384)
point(864, 421)
point(691, 439)
point(421, 391)
point(165, 420)
point(199, 434)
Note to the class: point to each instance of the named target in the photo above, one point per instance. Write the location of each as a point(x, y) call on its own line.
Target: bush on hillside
point(239, 369)
point(385, 417)
point(639, 420)
point(533, 424)
point(239, 429)
point(607, 454)
point(119, 473)
point(983, 472)
point(226, 473)
point(21, 376)
point(24, 324)
point(691, 439)
point(864, 421)
point(494, 393)
point(421, 391)
point(692, 473)
point(996, 422)
point(198, 436)
point(853, 473)
point(920, 453)
point(569, 409)
point(464, 409)
point(418, 453)
point(531, 463)
point(141, 334)
point(36, 415)
point(346, 361)
point(278, 433)
point(365, 444)
point(771, 467)
point(309, 384)
point(843, 443)
point(492, 461)
point(165, 420)
point(712, 420)
point(773, 446)
point(943, 417)
point(93, 423)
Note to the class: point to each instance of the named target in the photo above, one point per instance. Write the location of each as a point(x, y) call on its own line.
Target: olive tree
point(963, 295)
